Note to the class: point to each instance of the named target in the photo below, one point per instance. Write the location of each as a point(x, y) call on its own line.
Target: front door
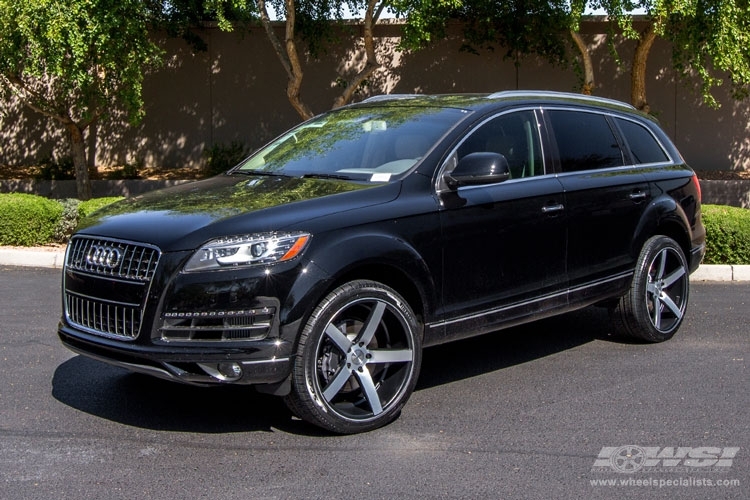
point(505, 243)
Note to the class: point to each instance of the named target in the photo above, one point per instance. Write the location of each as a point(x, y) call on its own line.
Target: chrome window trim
point(618, 132)
point(439, 185)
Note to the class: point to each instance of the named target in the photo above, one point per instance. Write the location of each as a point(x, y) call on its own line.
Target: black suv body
point(319, 267)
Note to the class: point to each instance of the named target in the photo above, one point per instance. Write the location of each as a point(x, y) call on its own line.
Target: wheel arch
point(375, 257)
point(390, 276)
point(665, 217)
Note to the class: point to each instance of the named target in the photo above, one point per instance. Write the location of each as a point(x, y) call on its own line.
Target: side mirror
point(478, 168)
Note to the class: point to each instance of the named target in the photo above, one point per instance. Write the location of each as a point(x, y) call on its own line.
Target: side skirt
point(526, 311)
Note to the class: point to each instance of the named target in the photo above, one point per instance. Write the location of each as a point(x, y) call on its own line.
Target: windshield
point(370, 144)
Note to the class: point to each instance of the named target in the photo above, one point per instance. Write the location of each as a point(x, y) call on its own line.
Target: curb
point(32, 258)
point(721, 273)
point(55, 259)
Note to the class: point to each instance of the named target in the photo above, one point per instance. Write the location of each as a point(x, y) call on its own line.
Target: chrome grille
point(112, 258)
point(106, 285)
point(102, 317)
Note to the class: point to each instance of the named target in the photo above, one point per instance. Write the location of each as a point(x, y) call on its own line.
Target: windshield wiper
point(259, 172)
point(327, 176)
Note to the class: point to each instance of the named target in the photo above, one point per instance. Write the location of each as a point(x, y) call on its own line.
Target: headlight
point(247, 250)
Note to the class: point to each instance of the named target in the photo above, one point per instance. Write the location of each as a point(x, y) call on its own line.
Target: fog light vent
point(226, 371)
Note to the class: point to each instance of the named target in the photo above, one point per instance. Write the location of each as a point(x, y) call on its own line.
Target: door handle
point(550, 209)
point(638, 196)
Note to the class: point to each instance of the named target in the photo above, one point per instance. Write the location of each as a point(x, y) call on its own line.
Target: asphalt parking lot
point(556, 409)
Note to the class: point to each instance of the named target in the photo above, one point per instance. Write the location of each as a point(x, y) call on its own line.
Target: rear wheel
point(357, 360)
point(655, 305)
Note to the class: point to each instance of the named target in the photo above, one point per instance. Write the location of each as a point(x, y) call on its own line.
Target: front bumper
point(236, 326)
point(265, 362)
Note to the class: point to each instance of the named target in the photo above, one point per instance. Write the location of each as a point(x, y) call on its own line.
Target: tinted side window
point(585, 141)
point(643, 145)
point(513, 135)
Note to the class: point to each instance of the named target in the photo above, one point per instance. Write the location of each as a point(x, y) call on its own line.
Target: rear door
point(605, 196)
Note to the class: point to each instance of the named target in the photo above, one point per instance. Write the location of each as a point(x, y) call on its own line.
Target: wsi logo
point(630, 458)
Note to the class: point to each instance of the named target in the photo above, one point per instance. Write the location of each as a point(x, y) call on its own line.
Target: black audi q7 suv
point(319, 267)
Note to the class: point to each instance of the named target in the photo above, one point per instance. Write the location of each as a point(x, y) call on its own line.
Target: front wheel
point(655, 305)
point(357, 359)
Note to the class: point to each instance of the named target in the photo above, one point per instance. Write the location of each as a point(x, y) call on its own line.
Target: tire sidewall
point(306, 387)
point(641, 317)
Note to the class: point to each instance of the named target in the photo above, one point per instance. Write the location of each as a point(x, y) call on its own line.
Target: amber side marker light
point(296, 248)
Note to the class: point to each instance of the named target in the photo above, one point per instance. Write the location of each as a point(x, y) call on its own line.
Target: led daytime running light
point(247, 250)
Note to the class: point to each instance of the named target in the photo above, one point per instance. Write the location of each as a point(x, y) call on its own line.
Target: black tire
point(357, 359)
point(655, 305)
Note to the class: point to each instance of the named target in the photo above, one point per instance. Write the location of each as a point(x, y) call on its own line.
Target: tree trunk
point(588, 66)
point(287, 54)
point(83, 183)
point(295, 82)
point(371, 60)
point(638, 71)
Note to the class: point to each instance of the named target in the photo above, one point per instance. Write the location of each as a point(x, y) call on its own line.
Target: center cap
point(358, 357)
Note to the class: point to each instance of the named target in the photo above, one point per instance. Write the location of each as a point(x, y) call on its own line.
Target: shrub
point(222, 157)
point(727, 234)
point(68, 220)
point(28, 220)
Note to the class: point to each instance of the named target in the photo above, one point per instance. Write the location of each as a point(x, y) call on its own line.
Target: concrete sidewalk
point(54, 258)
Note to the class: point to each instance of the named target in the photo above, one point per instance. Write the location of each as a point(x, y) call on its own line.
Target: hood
point(185, 216)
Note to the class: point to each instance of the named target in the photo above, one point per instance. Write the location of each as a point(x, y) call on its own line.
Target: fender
point(369, 254)
point(663, 216)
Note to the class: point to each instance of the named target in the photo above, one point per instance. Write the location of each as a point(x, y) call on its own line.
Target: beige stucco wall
point(236, 91)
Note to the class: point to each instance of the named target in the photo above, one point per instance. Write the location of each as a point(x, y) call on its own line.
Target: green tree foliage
point(76, 62)
point(710, 39)
point(517, 27)
point(184, 18)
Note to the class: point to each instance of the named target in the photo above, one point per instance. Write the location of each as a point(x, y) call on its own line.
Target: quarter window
point(643, 145)
point(585, 141)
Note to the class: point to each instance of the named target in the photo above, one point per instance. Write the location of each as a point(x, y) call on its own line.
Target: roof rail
point(391, 97)
point(553, 94)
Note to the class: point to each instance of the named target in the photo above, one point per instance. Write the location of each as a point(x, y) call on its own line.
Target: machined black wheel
point(655, 305)
point(357, 360)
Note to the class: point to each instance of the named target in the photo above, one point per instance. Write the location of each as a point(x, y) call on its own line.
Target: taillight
point(697, 187)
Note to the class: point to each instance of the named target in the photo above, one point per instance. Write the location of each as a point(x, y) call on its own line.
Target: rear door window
point(585, 141)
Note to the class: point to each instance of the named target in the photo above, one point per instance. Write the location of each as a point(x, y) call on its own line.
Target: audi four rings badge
point(101, 255)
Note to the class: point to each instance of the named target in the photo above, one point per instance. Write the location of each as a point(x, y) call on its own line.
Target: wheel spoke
point(391, 356)
point(337, 383)
point(657, 312)
point(667, 300)
point(662, 258)
point(372, 322)
point(672, 278)
point(338, 337)
point(371, 392)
